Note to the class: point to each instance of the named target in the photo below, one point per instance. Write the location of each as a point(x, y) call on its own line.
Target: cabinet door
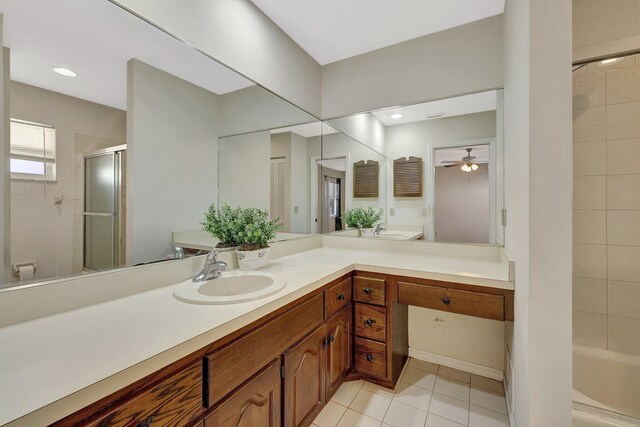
point(304, 379)
point(257, 403)
point(339, 349)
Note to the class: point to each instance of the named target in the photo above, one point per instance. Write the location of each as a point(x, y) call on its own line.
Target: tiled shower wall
point(606, 205)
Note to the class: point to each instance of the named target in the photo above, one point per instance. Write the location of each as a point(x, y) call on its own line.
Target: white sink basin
point(230, 288)
point(398, 235)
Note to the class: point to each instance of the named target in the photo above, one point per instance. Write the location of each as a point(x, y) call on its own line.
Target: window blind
point(33, 150)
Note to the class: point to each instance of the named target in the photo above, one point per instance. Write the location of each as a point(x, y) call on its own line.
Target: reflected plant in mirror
point(363, 219)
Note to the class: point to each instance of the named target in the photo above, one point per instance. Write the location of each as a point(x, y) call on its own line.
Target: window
point(33, 151)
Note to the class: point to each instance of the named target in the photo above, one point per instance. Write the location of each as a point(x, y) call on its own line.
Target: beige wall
point(41, 231)
point(460, 60)
point(5, 189)
point(537, 105)
point(172, 157)
point(239, 35)
point(605, 27)
point(462, 205)
point(606, 215)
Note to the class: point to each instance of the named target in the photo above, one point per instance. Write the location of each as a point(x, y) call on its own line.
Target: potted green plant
point(220, 223)
point(363, 219)
point(253, 230)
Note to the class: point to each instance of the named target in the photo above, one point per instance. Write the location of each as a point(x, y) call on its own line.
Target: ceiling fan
point(467, 163)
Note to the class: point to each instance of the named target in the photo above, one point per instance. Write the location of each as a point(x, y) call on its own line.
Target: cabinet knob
point(446, 301)
point(146, 422)
point(369, 322)
point(340, 297)
point(367, 291)
point(331, 339)
point(325, 342)
point(370, 357)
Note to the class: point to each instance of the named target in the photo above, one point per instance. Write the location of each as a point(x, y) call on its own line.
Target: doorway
point(462, 194)
point(331, 197)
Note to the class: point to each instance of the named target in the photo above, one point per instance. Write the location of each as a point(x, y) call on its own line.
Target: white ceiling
point(331, 30)
point(95, 39)
point(308, 130)
point(460, 105)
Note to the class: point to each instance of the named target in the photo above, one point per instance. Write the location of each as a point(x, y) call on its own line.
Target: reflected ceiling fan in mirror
point(467, 163)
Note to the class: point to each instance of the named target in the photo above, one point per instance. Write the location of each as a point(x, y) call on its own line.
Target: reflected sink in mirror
point(230, 288)
point(398, 235)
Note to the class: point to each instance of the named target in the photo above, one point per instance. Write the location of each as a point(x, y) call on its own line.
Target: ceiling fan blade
point(450, 161)
point(449, 166)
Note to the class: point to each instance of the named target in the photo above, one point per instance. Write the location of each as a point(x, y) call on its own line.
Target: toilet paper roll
point(25, 272)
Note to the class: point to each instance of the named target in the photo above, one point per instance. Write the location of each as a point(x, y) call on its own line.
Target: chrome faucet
point(212, 268)
point(378, 230)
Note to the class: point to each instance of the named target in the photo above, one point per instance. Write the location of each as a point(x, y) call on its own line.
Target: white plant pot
point(366, 232)
point(251, 260)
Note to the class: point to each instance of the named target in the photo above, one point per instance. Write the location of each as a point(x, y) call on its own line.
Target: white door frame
point(313, 184)
point(491, 142)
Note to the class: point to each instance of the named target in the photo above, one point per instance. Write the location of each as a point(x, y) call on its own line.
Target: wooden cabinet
point(304, 379)
point(257, 403)
point(282, 368)
point(174, 401)
point(339, 349)
point(336, 297)
point(476, 304)
point(230, 366)
point(381, 328)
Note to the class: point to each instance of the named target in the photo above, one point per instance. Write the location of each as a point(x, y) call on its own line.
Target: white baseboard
point(462, 365)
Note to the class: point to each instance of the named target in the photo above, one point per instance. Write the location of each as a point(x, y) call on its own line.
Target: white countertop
point(77, 357)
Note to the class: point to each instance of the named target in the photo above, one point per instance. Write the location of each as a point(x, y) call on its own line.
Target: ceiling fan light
point(466, 168)
point(474, 167)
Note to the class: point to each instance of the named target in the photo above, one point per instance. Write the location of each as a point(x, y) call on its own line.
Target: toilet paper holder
point(16, 267)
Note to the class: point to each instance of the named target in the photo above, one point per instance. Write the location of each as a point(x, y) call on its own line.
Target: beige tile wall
point(606, 203)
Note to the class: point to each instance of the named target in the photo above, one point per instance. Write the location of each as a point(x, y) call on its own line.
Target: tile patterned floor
point(427, 395)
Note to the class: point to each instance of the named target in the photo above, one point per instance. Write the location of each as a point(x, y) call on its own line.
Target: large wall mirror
point(113, 133)
point(444, 170)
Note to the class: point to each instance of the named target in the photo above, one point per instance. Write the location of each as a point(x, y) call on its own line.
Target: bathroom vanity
point(279, 360)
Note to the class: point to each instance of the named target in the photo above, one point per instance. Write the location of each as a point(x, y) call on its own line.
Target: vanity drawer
point(371, 322)
point(337, 297)
point(232, 365)
point(174, 401)
point(476, 304)
point(371, 357)
point(369, 290)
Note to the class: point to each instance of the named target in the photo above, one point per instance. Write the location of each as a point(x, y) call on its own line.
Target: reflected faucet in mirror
point(212, 268)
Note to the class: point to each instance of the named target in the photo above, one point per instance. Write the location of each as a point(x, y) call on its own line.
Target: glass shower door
point(101, 211)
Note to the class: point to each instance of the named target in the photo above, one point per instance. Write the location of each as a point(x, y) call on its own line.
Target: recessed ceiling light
point(396, 116)
point(435, 116)
point(64, 72)
point(610, 61)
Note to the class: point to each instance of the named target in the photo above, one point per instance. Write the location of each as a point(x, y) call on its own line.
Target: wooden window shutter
point(407, 177)
point(365, 179)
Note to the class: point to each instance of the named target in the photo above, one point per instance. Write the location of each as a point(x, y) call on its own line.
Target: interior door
point(103, 210)
point(339, 349)
point(304, 379)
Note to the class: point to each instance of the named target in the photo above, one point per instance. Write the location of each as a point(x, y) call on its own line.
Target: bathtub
point(606, 387)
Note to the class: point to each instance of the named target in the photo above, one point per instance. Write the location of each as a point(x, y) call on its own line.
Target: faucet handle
point(212, 256)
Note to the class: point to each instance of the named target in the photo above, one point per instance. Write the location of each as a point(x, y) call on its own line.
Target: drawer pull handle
point(367, 291)
point(369, 322)
point(446, 301)
point(340, 297)
point(370, 358)
point(146, 422)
